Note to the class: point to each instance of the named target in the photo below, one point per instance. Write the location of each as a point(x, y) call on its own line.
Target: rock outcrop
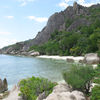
point(35, 54)
point(57, 22)
point(11, 51)
point(91, 58)
point(3, 85)
point(63, 92)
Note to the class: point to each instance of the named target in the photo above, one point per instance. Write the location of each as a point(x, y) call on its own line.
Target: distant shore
point(76, 59)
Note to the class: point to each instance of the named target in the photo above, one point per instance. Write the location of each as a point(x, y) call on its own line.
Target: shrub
point(68, 22)
point(79, 77)
point(95, 95)
point(97, 71)
point(31, 88)
point(98, 53)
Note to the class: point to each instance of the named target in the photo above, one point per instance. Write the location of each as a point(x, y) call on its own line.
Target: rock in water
point(70, 60)
point(5, 85)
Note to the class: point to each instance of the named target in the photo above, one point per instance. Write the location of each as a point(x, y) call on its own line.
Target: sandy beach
point(76, 59)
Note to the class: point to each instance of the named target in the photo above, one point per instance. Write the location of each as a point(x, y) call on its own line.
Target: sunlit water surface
point(15, 68)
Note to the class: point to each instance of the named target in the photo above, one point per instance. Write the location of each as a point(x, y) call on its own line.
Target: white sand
point(14, 94)
point(76, 59)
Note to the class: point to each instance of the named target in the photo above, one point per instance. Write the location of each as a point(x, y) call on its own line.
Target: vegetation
point(85, 39)
point(31, 88)
point(79, 77)
point(68, 22)
point(95, 95)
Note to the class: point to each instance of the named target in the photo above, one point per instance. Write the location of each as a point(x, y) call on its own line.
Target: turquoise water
point(15, 68)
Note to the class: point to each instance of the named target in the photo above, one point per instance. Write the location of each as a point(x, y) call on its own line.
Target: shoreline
point(57, 57)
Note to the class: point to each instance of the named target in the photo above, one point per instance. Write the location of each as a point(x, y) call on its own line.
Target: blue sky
point(22, 19)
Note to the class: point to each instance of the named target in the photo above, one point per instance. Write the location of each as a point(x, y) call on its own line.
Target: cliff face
point(54, 23)
point(76, 14)
point(57, 22)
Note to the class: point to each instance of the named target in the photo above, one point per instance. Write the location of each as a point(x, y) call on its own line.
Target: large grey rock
point(3, 85)
point(24, 53)
point(64, 92)
point(91, 58)
point(35, 54)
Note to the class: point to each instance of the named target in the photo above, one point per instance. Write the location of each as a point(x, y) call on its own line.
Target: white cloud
point(65, 3)
point(5, 42)
point(81, 1)
point(5, 33)
point(24, 2)
point(38, 19)
point(9, 17)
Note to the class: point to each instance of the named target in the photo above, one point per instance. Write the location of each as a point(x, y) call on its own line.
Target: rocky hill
point(68, 20)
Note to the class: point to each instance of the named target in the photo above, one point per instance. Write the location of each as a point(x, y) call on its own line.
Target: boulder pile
point(64, 92)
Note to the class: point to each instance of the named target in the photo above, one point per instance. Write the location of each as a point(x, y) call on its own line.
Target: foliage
point(95, 94)
point(72, 43)
point(98, 53)
point(79, 41)
point(79, 77)
point(68, 22)
point(94, 38)
point(31, 88)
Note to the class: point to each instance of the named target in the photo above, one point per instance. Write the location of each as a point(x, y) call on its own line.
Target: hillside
point(74, 31)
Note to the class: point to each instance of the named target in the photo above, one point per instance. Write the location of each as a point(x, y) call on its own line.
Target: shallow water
point(15, 68)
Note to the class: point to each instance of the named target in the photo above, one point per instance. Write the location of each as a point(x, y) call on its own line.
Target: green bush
point(97, 71)
point(82, 40)
point(95, 95)
point(31, 88)
point(68, 22)
point(79, 77)
point(98, 53)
